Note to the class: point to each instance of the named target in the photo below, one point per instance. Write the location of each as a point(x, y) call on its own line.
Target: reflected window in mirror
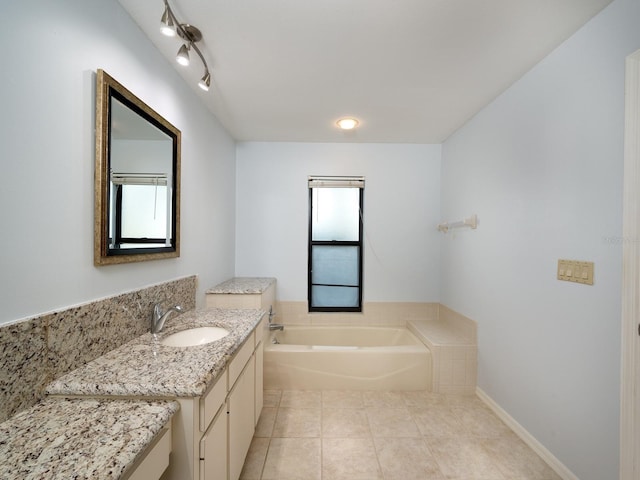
point(137, 179)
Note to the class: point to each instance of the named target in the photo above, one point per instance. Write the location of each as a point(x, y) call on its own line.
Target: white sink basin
point(195, 336)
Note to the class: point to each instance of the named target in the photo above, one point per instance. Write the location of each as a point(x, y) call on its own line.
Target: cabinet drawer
point(240, 360)
point(210, 402)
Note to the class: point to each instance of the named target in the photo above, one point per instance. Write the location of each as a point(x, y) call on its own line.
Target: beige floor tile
point(480, 421)
point(376, 398)
point(437, 421)
point(272, 398)
point(297, 422)
point(301, 399)
point(516, 460)
point(349, 459)
point(391, 422)
point(293, 459)
point(421, 398)
point(342, 399)
point(344, 422)
point(253, 464)
point(468, 401)
point(406, 459)
point(464, 459)
point(266, 422)
point(336, 435)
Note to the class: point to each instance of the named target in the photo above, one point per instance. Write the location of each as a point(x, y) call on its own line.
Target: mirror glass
point(137, 178)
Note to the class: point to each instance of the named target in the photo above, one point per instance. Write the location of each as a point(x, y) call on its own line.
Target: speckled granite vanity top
point(79, 438)
point(243, 285)
point(145, 367)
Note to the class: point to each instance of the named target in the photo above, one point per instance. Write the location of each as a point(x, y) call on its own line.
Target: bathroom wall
point(401, 211)
point(47, 91)
point(542, 166)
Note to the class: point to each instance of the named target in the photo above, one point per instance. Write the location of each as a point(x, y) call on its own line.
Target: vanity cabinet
point(243, 292)
point(212, 433)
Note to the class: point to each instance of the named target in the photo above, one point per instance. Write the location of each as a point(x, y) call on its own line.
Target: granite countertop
point(145, 367)
point(79, 438)
point(243, 285)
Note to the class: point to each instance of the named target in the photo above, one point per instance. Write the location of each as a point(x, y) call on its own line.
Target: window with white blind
point(335, 244)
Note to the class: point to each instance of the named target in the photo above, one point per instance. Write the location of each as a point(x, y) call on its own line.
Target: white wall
point(542, 168)
point(47, 137)
point(402, 205)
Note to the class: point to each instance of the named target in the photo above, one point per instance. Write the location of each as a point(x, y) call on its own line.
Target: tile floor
point(335, 435)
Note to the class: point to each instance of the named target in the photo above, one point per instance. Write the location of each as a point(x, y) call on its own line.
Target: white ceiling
point(412, 71)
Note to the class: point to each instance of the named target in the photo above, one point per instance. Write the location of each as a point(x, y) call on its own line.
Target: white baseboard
point(527, 438)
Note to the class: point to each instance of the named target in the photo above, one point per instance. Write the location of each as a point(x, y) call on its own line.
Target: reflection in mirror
point(137, 178)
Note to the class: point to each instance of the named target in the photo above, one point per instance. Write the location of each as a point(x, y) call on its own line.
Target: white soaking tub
point(346, 358)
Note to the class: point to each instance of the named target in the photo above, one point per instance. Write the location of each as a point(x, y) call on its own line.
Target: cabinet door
point(241, 404)
point(259, 381)
point(213, 449)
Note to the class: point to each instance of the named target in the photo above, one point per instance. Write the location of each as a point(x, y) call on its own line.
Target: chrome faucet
point(159, 317)
point(274, 326)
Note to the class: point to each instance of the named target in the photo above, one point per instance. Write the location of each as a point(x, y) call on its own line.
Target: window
point(141, 204)
point(335, 244)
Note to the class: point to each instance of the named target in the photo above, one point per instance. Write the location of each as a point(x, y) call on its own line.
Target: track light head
point(166, 24)
point(183, 55)
point(205, 81)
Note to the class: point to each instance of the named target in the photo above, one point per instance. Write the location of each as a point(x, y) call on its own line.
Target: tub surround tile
point(145, 367)
point(452, 339)
point(373, 314)
point(79, 438)
point(24, 372)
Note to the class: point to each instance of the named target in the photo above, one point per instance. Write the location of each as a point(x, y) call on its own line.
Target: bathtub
point(346, 358)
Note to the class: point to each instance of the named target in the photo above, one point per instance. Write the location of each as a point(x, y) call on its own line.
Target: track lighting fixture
point(170, 26)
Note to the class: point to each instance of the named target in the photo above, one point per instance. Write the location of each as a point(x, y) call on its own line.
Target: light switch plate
point(575, 271)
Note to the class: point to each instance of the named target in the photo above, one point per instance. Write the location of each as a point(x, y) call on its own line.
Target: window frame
point(336, 243)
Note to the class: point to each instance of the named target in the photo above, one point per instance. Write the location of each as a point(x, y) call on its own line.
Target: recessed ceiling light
point(347, 123)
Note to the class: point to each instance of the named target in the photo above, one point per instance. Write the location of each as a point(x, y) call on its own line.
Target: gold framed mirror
point(137, 179)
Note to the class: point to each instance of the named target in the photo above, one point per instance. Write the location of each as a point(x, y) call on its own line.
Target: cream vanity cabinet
point(212, 433)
